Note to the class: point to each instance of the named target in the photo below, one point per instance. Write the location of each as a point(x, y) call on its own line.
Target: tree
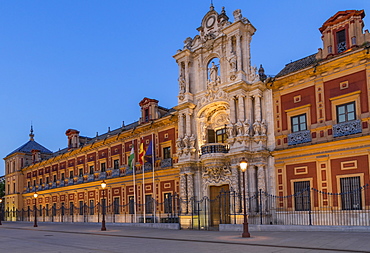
point(2, 188)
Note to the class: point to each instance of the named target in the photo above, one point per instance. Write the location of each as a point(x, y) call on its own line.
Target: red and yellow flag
point(141, 153)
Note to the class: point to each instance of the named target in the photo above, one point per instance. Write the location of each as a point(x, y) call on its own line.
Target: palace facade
point(306, 129)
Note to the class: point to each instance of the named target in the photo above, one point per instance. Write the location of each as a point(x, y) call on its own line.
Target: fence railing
point(307, 207)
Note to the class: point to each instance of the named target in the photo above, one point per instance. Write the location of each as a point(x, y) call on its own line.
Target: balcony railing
point(166, 163)
point(347, 128)
point(103, 175)
point(213, 148)
point(299, 137)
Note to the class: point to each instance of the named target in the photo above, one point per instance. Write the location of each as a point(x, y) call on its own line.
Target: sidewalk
point(311, 241)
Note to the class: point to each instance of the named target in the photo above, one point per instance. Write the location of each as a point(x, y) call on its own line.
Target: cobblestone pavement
point(63, 237)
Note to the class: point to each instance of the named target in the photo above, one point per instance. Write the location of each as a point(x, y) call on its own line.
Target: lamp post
point(103, 228)
point(35, 211)
point(243, 167)
point(1, 210)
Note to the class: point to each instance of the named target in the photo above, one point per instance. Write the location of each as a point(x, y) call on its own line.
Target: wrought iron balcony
point(148, 166)
point(80, 180)
point(70, 181)
point(115, 173)
point(299, 137)
point(166, 163)
point(103, 175)
point(347, 128)
point(212, 148)
point(90, 178)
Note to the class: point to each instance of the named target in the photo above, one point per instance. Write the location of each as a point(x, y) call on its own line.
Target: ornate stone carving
point(187, 43)
point(230, 131)
point(183, 193)
point(214, 174)
point(192, 140)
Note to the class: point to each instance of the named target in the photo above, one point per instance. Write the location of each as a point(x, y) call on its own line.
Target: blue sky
point(87, 64)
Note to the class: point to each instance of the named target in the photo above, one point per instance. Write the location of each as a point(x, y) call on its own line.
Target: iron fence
point(307, 207)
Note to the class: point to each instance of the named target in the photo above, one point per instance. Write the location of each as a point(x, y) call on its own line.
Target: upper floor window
point(341, 41)
point(91, 169)
point(146, 115)
point(299, 123)
point(71, 174)
point(102, 167)
point(346, 112)
point(62, 177)
point(221, 135)
point(80, 173)
point(166, 152)
point(116, 164)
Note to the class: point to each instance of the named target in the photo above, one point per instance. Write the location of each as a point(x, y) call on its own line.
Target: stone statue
point(246, 126)
point(257, 128)
point(187, 43)
point(263, 128)
point(237, 15)
point(232, 62)
point(192, 140)
point(186, 141)
point(230, 131)
point(179, 144)
point(239, 128)
point(213, 72)
point(182, 83)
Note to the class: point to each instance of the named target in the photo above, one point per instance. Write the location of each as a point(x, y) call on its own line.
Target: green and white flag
point(131, 158)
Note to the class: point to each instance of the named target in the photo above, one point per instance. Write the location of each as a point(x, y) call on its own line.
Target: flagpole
point(143, 190)
point(134, 172)
point(154, 189)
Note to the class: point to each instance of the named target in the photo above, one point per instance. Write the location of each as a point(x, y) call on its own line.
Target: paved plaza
point(63, 237)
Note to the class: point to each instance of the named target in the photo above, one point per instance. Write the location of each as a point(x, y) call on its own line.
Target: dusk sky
point(86, 64)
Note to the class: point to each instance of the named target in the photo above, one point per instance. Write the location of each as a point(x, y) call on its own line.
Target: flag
point(131, 158)
point(149, 152)
point(141, 153)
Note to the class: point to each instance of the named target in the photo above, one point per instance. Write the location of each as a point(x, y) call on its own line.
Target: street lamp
point(1, 210)
point(243, 167)
point(35, 211)
point(103, 228)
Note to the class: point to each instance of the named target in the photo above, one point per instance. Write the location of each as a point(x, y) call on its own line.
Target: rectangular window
point(116, 205)
point(71, 174)
point(148, 204)
point(28, 184)
point(47, 209)
point(146, 115)
point(301, 196)
point(92, 206)
point(40, 210)
point(71, 208)
point(346, 112)
point(166, 152)
point(54, 209)
point(80, 173)
point(91, 169)
point(341, 41)
point(34, 184)
point(221, 135)
point(102, 167)
point(62, 208)
point(63, 177)
point(299, 123)
point(116, 164)
point(55, 178)
point(167, 203)
point(131, 205)
point(47, 180)
point(81, 207)
point(211, 136)
point(351, 193)
point(40, 181)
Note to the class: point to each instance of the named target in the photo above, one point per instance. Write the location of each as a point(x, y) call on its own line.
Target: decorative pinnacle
point(211, 7)
point(31, 134)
